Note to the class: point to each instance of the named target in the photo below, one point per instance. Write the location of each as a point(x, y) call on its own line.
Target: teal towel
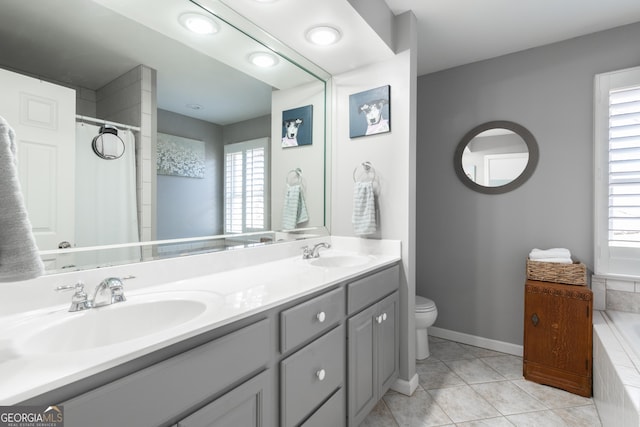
point(364, 209)
point(295, 208)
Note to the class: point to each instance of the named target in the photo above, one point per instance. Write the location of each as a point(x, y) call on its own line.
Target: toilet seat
point(424, 305)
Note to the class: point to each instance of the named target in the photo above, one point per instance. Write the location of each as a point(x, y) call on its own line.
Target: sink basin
point(340, 260)
point(139, 316)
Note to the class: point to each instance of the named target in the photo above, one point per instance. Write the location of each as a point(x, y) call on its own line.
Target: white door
point(43, 116)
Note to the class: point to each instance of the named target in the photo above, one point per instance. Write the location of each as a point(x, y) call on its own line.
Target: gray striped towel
point(295, 208)
point(19, 257)
point(364, 209)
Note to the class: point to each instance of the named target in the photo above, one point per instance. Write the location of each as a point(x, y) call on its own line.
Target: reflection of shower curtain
point(106, 211)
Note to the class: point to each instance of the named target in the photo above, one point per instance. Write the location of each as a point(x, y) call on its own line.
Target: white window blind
point(617, 156)
point(245, 186)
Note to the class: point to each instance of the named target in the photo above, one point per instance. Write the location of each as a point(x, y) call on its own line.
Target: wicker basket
point(570, 274)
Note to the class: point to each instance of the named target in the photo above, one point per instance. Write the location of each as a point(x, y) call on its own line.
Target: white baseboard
point(406, 387)
point(501, 346)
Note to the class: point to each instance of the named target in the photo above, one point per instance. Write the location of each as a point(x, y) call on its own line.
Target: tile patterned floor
point(466, 386)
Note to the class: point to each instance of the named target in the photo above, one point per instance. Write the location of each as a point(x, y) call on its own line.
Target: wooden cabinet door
point(558, 335)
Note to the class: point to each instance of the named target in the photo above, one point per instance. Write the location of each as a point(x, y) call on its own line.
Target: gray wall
point(260, 127)
point(191, 207)
point(471, 248)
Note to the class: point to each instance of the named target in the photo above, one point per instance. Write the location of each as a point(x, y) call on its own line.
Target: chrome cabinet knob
point(379, 319)
point(321, 316)
point(321, 374)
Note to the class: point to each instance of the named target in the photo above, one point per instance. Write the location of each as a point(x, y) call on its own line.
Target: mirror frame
point(519, 130)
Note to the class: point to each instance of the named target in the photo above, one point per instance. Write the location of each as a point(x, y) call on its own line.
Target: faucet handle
point(117, 288)
point(79, 299)
point(306, 252)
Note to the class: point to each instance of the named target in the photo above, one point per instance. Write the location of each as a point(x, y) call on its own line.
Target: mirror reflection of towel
point(364, 209)
point(295, 208)
point(19, 257)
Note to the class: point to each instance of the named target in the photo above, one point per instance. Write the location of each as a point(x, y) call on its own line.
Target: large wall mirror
point(496, 157)
point(198, 116)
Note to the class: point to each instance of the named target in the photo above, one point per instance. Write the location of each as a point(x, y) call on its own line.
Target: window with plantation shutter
point(617, 177)
point(246, 186)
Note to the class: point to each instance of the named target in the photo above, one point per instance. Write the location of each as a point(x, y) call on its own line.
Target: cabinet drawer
point(370, 289)
point(155, 395)
point(331, 413)
point(309, 319)
point(310, 375)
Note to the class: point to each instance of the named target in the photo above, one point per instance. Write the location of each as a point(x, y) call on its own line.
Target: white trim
point(406, 387)
point(501, 346)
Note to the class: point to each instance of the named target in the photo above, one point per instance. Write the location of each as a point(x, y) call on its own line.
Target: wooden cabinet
point(373, 357)
point(558, 336)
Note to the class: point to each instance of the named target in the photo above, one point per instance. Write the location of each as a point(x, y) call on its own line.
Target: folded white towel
point(556, 260)
point(294, 211)
point(364, 209)
point(549, 253)
point(19, 257)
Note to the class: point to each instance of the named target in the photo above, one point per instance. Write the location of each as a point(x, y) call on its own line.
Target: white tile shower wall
point(615, 294)
point(131, 99)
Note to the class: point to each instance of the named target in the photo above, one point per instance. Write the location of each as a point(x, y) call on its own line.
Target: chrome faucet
point(109, 291)
point(315, 251)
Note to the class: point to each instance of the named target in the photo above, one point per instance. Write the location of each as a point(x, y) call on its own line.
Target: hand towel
point(549, 253)
point(19, 257)
point(364, 209)
point(556, 260)
point(294, 211)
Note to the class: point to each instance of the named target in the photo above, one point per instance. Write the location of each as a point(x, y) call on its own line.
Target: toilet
point(426, 313)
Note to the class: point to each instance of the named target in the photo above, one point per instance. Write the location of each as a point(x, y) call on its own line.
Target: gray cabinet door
point(362, 361)
point(374, 356)
point(243, 406)
point(389, 342)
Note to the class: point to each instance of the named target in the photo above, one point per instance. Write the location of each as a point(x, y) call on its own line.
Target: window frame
point(244, 147)
point(609, 260)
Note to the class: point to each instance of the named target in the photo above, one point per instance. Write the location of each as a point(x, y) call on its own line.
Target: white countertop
point(234, 293)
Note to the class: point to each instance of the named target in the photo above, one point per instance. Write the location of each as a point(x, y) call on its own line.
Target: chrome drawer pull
point(321, 316)
point(321, 374)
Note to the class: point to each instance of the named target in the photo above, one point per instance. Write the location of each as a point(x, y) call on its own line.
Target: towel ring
point(297, 176)
point(367, 169)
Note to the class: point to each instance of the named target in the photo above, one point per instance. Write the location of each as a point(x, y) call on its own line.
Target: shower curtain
point(106, 209)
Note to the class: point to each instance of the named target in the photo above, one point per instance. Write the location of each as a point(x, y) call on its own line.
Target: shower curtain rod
point(105, 122)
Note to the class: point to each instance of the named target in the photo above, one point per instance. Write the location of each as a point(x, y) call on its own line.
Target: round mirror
point(496, 157)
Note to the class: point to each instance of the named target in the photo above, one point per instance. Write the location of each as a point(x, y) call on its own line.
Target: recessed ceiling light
point(199, 24)
point(194, 106)
point(263, 59)
point(323, 35)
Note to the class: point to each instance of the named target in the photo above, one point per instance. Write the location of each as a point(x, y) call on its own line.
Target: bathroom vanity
point(321, 359)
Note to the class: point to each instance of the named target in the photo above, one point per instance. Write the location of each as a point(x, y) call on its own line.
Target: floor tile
point(420, 410)
point(508, 366)
point(508, 398)
point(551, 396)
point(489, 422)
point(580, 416)
point(474, 371)
point(437, 375)
point(380, 416)
point(467, 386)
point(537, 419)
point(448, 350)
point(463, 404)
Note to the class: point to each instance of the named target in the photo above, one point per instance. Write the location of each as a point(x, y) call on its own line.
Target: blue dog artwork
point(297, 126)
point(370, 112)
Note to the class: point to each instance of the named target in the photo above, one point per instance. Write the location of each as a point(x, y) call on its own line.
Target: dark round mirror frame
point(523, 132)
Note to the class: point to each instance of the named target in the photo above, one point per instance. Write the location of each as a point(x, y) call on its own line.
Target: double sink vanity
point(280, 341)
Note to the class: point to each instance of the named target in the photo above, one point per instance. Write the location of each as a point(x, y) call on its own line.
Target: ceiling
point(450, 32)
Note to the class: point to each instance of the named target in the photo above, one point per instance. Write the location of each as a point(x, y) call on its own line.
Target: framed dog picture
point(370, 112)
point(297, 127)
